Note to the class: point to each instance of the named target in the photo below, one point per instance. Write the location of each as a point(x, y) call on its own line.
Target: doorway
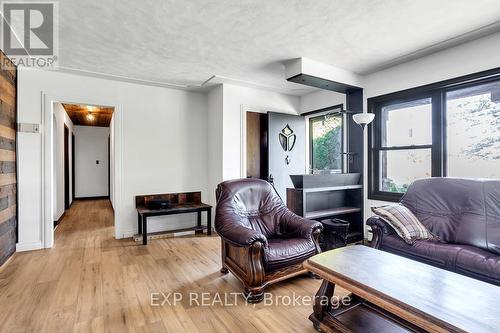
point(81, 155)
point(257, 155)
point(273, 147)
point(53, 173)
point(92, 152)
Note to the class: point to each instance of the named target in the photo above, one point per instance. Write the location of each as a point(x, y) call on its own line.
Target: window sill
point(391, 197)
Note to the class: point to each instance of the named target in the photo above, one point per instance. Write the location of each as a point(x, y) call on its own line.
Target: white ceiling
point(186, 42)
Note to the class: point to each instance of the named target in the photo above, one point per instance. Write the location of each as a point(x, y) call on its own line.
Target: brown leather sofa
point(464, 213)
point(262, 241)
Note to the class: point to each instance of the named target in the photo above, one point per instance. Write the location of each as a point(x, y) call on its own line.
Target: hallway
point(85, 220)
point(90, 282)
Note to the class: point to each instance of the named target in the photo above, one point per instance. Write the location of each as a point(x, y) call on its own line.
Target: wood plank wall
point(8, 180)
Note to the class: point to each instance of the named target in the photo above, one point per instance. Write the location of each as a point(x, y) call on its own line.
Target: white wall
point(91, 145)
point(176, 140)
point(214, 133)
point(468, 58)
point(234, 97)
point(164, 140)
point(321, 99)
point(62, 119)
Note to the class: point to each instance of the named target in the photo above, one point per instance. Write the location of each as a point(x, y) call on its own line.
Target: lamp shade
point(363, 119)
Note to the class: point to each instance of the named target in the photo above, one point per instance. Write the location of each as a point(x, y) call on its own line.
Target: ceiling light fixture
point(90, 116)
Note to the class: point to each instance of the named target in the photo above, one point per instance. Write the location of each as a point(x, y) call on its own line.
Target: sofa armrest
point(292, 224)
point(378, 222)
point(239, 235)
point(379, 229)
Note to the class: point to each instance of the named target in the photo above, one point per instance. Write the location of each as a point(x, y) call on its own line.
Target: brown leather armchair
point(262, 241)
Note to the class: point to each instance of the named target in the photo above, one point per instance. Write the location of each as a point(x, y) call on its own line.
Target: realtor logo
point(30, 33)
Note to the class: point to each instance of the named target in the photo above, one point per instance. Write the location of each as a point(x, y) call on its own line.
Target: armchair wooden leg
point(315, 236)
point(314, 276)
point(254, 296)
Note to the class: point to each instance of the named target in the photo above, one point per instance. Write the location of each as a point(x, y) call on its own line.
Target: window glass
point(401, 167)
point(473, 131)
point(407, 124)
point(326, 143)
point(404, 125)
point(446, 129)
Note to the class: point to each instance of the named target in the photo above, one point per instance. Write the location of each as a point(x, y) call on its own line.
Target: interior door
point(257, 164)
point(286, 148)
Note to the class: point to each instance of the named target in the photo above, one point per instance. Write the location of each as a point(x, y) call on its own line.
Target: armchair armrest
point(239, 235)
point(299, 226)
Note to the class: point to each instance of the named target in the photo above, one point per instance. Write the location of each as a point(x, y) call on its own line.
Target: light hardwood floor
point(90, 282)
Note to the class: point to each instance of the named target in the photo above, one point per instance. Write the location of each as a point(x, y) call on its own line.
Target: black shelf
point(331, 188)
point(318, 214)
point(344, 202)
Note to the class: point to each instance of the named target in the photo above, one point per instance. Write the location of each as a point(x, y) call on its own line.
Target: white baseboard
point(20, 247)
point(128, 234)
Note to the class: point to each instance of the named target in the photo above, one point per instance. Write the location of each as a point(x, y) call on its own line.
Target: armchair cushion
point(286, 252)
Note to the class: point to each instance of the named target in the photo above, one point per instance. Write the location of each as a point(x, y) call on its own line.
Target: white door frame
point(48, 183)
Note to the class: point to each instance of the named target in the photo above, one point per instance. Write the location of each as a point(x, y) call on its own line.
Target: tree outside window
point(326, 143)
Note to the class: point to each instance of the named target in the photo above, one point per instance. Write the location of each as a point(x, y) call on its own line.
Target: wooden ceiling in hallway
point(79, 114)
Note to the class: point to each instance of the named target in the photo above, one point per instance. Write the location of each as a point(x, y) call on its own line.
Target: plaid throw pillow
point(404, 222)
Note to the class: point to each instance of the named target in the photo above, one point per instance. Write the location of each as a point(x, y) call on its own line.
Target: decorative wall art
point(287, 140)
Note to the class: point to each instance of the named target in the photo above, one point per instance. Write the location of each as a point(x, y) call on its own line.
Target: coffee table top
point(431, 298)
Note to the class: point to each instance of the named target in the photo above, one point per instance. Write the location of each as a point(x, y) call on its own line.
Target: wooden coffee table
point(394, 294)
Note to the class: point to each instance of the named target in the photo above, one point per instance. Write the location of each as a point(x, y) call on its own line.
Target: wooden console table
point(180, 203)
point(394, 294)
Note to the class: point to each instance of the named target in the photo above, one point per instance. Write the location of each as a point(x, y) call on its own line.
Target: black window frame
point(437, 92)
point(339, 108)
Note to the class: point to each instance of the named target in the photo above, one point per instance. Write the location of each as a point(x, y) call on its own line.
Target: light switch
point(97, 162)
